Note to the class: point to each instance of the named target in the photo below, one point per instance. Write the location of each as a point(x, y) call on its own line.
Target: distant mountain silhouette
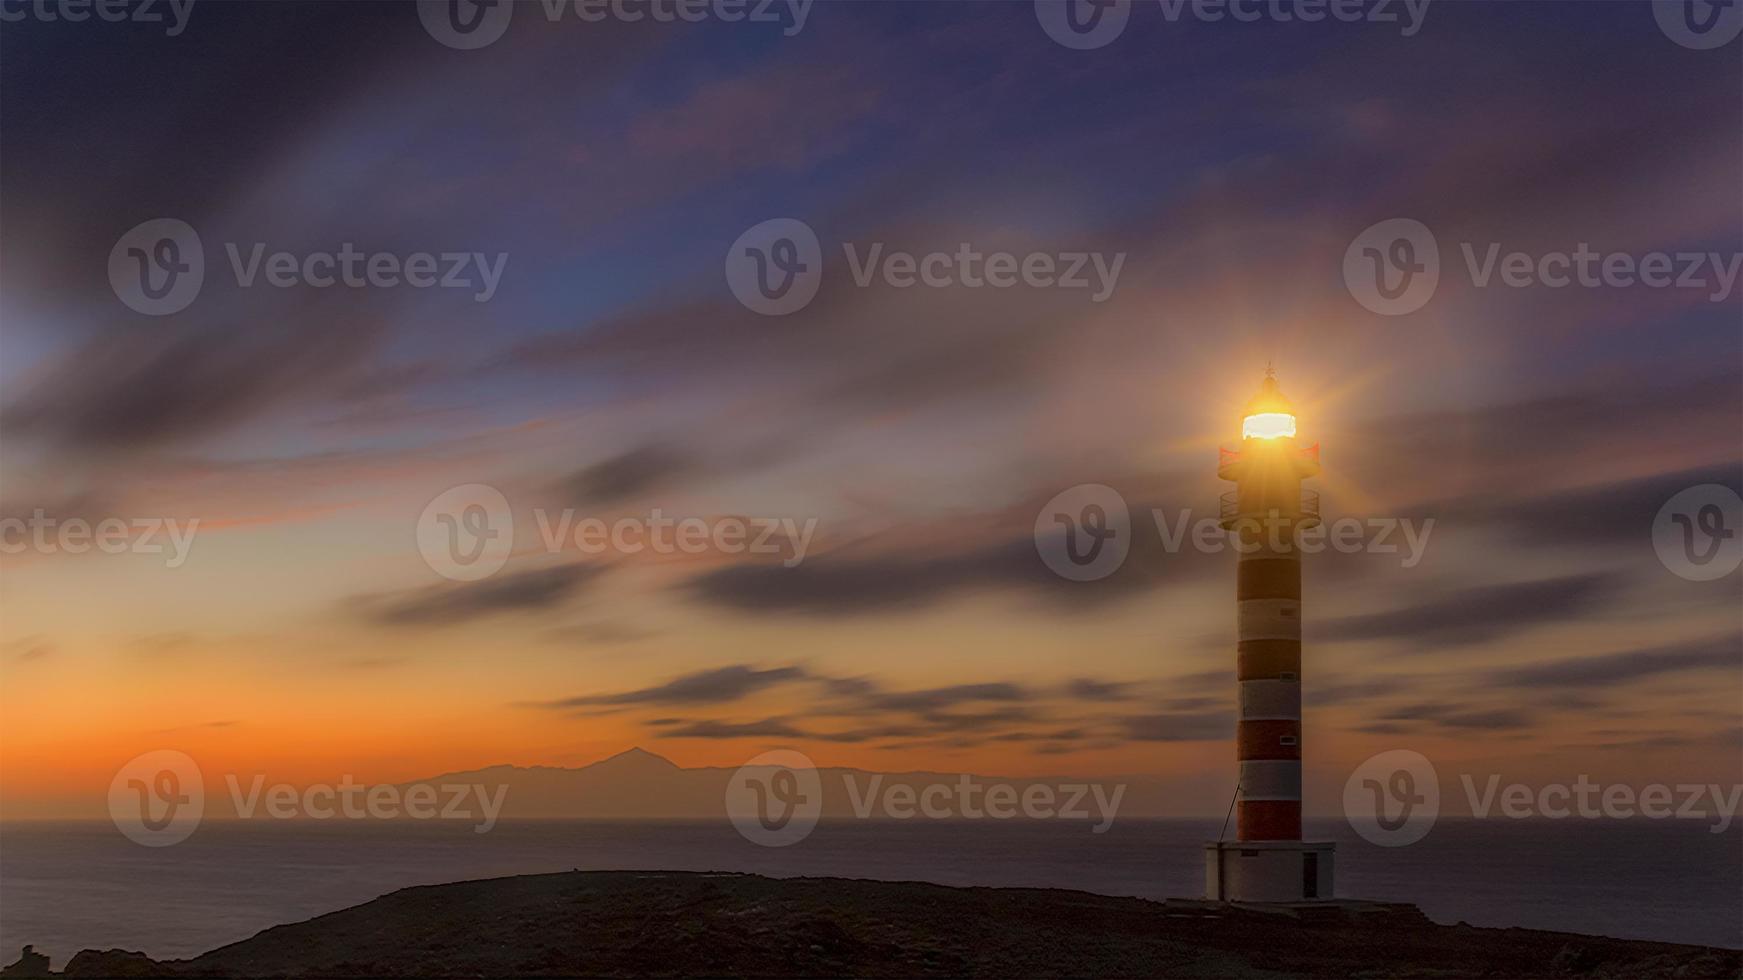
point(632, 783)
point(638, 784)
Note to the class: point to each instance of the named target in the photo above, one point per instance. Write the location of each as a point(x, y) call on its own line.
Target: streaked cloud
point(1723, 653)
point(513, 592)
point(1479, 614)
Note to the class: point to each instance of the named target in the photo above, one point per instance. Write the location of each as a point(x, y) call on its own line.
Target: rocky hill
point(624, 924)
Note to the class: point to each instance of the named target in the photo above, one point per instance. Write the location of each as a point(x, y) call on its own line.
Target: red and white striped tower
point(1268, 861)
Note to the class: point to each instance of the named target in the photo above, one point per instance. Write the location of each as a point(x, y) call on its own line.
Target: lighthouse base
point(1268, 871)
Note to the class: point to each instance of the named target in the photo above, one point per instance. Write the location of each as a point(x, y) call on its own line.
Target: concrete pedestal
point(1268, 871)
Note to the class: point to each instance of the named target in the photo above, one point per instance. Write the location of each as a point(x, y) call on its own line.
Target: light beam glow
point(1268, 425)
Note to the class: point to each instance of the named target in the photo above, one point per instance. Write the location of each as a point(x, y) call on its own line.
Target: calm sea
point(66, 887)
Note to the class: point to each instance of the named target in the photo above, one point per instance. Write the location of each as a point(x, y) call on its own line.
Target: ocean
point(70, 886)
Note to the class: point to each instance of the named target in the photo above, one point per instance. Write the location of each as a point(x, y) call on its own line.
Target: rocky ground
point(675, 924)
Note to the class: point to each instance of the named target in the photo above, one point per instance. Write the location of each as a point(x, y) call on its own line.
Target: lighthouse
point(1267, 861)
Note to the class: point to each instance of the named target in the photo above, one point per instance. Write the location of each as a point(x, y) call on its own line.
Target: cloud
point(1459, 715)
point(28, 648)
point(228, 723)
point(164, 644)
point(1603, 513)
point(833, 585)
point(1478, 615)
point(767, 728)
point(1720, 653)
point(955, 731)
point(848, 686)
point(1385, 728)
point(975, 721)
point(1187, 727)
point(519, 592)
point(156, 387)
point(1089, 689)
point(371, 663)
point(1727, 738)
point(599, 634)
point(718, 686)
point(922, 570)
point(854, 710)
point(936, 699)
point(1493, 719)
point(626, 475)
point(1331, 691)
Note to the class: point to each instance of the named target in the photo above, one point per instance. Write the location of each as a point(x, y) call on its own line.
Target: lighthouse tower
point(1268, 861)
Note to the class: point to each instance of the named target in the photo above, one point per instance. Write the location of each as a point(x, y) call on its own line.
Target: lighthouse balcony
point(1306, 513)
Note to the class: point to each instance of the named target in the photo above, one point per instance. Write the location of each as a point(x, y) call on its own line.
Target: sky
point(612, 371)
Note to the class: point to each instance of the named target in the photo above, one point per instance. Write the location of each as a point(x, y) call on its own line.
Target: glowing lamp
point(1268, 425)
point(1269, 414)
